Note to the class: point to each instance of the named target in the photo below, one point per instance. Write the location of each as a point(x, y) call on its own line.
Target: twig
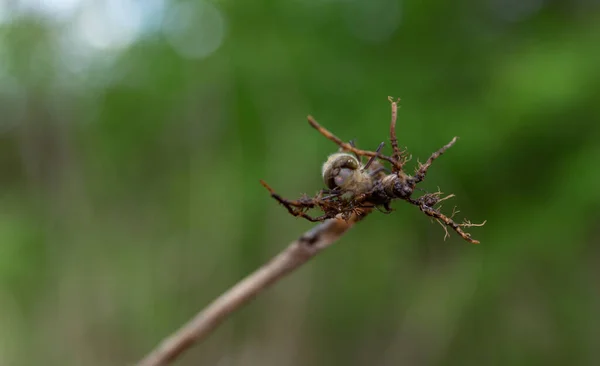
point(393, 139)
point(422, 169)
point(346, 146)
point(295, 255)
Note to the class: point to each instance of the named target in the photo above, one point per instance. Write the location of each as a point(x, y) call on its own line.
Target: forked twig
point(367, 188)
point(346, 146)
point(422, 169)
point(291, 206)
point(394, 186)
point(295, 255)
point(436, 214)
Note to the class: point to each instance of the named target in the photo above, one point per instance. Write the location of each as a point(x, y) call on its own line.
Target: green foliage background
point(129, 194)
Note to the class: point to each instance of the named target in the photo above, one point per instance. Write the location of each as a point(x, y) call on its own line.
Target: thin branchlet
point(346, 146)
point(354, 186)
point(397, 154)
point(422, 169)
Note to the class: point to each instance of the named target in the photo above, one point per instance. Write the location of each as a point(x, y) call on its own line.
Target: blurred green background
point(133, 135)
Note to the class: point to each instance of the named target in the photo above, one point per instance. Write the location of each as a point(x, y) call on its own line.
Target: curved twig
point(346, 146)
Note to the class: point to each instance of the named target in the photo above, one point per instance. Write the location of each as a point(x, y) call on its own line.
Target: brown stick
point(429, 211)
point(346, 146)
point(207, 320)
point(422, 170)
point(393, 139)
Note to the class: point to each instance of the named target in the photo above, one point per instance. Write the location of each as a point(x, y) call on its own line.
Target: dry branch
point(369, 188)
point(295, 255)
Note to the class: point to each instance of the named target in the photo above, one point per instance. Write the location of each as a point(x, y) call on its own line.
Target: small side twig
point(422, 169)
point(207, 320)
point(393, 139)
point(346, 146)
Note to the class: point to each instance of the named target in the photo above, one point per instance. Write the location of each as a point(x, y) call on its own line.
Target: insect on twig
point(353, 186)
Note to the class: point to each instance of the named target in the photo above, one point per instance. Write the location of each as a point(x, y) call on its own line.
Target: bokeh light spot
point(194, 30)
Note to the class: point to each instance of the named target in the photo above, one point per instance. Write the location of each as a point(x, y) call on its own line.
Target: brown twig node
point(352, 185)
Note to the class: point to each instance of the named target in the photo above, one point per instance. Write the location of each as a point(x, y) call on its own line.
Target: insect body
point(345, 173)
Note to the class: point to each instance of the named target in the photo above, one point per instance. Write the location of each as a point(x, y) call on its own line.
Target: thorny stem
point(206, 321)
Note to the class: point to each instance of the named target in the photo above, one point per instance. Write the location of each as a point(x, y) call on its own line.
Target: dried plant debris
point(353, 187)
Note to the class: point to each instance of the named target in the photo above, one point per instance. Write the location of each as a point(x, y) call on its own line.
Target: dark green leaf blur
point(133, 135)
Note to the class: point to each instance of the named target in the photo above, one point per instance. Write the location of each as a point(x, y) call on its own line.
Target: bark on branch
point(295, 255)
